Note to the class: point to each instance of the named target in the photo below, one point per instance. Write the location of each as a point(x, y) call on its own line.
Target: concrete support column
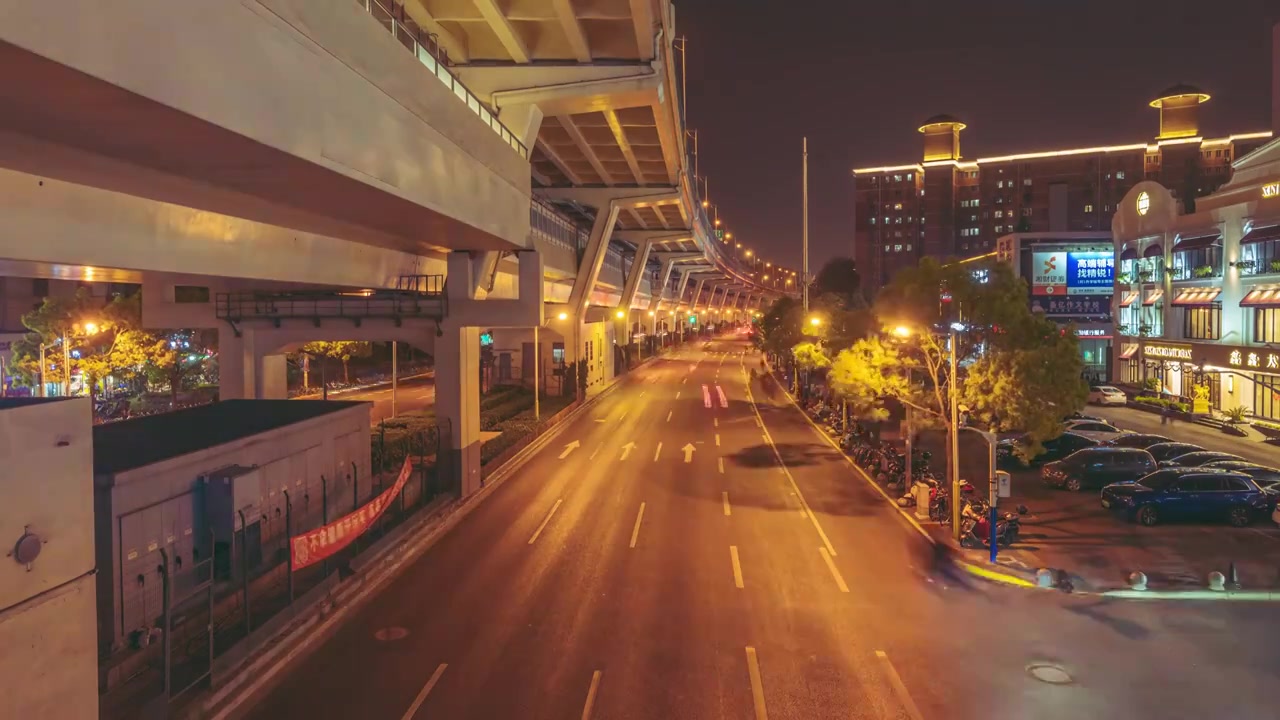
point(592, 260)
point(684, 284)
point(457, 368)
point(246, 371)
point(524, 120)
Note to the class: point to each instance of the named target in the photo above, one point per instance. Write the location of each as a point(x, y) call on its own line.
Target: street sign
point(1004, 484)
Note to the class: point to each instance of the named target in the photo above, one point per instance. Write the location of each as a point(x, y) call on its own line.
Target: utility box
point(233, 497)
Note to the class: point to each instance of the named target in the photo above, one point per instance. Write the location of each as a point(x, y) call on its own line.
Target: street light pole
point(66, 366)
point(804, 241)
point(44, 388)
point(953, 400)
point(395, 367)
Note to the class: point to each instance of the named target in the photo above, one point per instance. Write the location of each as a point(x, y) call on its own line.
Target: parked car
point(1190, 494)
point(1107, 395)
point(1053, 449)
point(1138, 440)
point(1266, 477)
point(1095, 430)
point(1096, 467)
point(1171, 450)
point(1082, 416)
point(1198, 458)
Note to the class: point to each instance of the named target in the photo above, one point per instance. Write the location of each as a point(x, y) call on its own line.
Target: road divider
point(635, 531)
point(591, 695)
point(545, 520)
point(426, 690)
point(757, 685)
point(835, 571)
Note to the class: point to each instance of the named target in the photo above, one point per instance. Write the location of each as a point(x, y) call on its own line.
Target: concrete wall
point(322, 83)
point(48, 662)
point(142, 510)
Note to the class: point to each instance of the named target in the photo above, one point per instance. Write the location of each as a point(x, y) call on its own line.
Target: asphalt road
point(412, 394)
point(693, 558)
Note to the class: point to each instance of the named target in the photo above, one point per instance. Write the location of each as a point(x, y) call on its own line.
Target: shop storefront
point(1231, 375)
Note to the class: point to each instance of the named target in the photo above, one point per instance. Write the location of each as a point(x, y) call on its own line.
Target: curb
point(365, 388)
point(990, 574)
point(979, 571)
point(256, 677)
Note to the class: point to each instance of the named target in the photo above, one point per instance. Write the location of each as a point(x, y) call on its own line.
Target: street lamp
point(620, 314)
point(563, 316)
point(902, 331)
point(814, 321)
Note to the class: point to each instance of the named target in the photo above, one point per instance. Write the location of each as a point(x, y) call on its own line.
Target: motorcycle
point(976, 528)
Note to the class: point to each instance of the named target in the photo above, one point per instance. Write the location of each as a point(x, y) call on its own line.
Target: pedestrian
point(1164, 415)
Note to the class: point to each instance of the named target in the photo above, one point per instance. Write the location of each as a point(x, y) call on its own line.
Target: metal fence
point(244, 591)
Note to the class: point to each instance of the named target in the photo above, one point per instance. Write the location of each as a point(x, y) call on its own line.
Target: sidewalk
point(1073, 532)
point(1206, 437)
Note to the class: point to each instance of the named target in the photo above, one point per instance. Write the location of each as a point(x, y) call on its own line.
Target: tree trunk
point(175, 381)
point(346, 371)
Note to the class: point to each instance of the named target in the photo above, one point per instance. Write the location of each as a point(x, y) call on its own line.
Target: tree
point(839, 277)
point(1019, 371)
point(174, 358)
point(343, 350)
point(810, 356)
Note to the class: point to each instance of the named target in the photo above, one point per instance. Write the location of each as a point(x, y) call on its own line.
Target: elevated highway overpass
point(532, 154)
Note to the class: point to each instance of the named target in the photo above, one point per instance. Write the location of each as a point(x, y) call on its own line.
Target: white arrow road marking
point(626, 450)
point(724, 403)
point(706, 396)
point(570, 448)
point(688, 452)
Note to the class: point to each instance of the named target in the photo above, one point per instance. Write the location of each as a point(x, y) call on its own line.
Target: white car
point(1107, 395)
point(1094, 430)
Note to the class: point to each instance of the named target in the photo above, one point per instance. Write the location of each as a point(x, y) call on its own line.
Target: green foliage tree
point(839, 277)
point(1019, 371)
point(342, 350)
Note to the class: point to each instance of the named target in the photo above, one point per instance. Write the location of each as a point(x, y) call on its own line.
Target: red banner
point(313, 546)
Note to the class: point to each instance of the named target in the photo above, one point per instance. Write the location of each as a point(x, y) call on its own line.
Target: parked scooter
point(975, 527)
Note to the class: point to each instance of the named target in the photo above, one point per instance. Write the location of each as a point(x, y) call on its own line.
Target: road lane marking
point(724, 402)
point(623, 416)
point(422, 696)
point(669, 412)
point(684, 380)
point(717, 439)
point(715, 422)
point(737, 567)
point(593, 453)
point(642, 392)
point(720, 464)
point(635, 531)
point(804, 505)
point(677, 394)
point(757, 687)
point(899, 687)
point(727, 510)
point(835, 572)
point(657, 452)
point(591, 695)
point(546, 520)
point(706, 396)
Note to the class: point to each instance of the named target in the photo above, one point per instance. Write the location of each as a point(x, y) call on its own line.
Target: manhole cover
point(391, 633)
point(1051, 674)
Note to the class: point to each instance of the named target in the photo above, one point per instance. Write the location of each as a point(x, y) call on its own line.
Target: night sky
point(859, 77)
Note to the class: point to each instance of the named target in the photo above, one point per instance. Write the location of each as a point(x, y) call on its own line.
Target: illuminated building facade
point(1197, 294)
point(947, 206)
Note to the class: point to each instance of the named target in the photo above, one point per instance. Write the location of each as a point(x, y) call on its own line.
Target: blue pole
point(992, 522)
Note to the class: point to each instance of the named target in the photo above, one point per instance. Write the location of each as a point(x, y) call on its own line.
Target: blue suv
point(1190, 494)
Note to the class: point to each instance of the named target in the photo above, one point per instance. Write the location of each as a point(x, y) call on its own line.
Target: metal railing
point(409, 302)
point(426, 48)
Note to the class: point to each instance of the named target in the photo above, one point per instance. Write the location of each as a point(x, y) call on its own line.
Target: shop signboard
point(1072, 272)
point(1077, 306)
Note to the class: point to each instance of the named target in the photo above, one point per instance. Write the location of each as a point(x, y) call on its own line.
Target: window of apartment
point(999, 213)
point(1266, 325)
point(973, 218)
point(190, 294)
point(897, 178)
point(886, 248)
point(999, 228)
point(910, 177)
point(887, 219)
point(1088, 208)
point(897, 220)
point(999, 201)
point(1202, 322)
point(908, 247)
point(1026, 182)
point(873, 221)
point(40, 287)
point(1119, 174)
point(1026, 212)
point(1106, 208)
point(897, 206)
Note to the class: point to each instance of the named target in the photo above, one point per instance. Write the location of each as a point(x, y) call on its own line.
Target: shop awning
point(1262, 297)
point(1153, 250)
point(1153, 297)
point(1261, 234)
point(1129, 297)
point(1129, 253)
point(1128, 350)
point(1197, 240)
point(1197, 296)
